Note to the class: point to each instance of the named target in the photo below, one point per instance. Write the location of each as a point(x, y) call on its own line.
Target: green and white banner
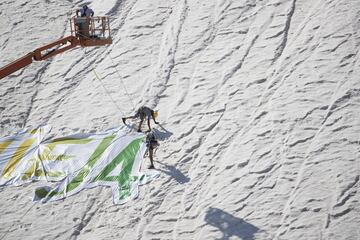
point(76, 162)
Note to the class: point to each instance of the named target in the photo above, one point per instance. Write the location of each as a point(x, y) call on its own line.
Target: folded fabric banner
point(76, 162)
point(18, 153)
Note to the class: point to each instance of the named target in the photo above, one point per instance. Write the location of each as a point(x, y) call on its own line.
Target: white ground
point(261, 100)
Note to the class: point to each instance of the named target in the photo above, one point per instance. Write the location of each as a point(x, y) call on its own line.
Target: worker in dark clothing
point(85, 11)
point(142, 113)
point(151, 144)
point(82, 21)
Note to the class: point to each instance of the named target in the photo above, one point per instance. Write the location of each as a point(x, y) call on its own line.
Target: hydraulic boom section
point(85, 32)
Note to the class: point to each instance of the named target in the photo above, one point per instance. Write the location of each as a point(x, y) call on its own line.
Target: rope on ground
point(117, 72)
point(106, 90)
point(127, 93)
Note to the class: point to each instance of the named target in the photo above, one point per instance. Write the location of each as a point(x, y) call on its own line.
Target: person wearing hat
point(151, 144)
point(142, 113)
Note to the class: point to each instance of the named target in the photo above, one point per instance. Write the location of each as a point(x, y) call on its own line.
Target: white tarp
point(76, 162)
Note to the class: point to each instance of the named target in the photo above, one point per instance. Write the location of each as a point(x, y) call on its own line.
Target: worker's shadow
point(176, 174)
point(162, 134)
point(229, 225)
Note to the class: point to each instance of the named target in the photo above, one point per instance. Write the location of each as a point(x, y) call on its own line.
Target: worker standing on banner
point(151, 144)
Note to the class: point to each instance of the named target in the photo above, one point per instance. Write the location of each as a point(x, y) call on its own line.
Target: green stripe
point(127, 156)
point(124, 179)
point(93, 159)
point(41, 193)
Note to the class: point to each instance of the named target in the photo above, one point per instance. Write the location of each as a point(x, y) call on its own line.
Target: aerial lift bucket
point(91, 31)
point(85, 32)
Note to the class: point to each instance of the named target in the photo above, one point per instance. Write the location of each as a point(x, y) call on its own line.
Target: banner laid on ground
point(76, 162)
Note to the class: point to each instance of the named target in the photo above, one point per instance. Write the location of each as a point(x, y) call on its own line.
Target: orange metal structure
point(85, 32)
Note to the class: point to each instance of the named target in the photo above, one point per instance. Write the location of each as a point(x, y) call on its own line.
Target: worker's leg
point(151, 151)
point(148, 122)
point(141, 121)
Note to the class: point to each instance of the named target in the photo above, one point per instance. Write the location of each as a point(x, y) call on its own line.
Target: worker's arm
point(153, 117)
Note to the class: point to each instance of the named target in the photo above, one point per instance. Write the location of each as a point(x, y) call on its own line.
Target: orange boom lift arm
point(85, 32)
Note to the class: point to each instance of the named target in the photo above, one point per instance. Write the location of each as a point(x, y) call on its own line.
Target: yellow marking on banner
point(47, 155)
point(18, 155)
point(36, 171)
point(32, 171)
point(53, 144)
point(33, 131)
point(4, 145)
